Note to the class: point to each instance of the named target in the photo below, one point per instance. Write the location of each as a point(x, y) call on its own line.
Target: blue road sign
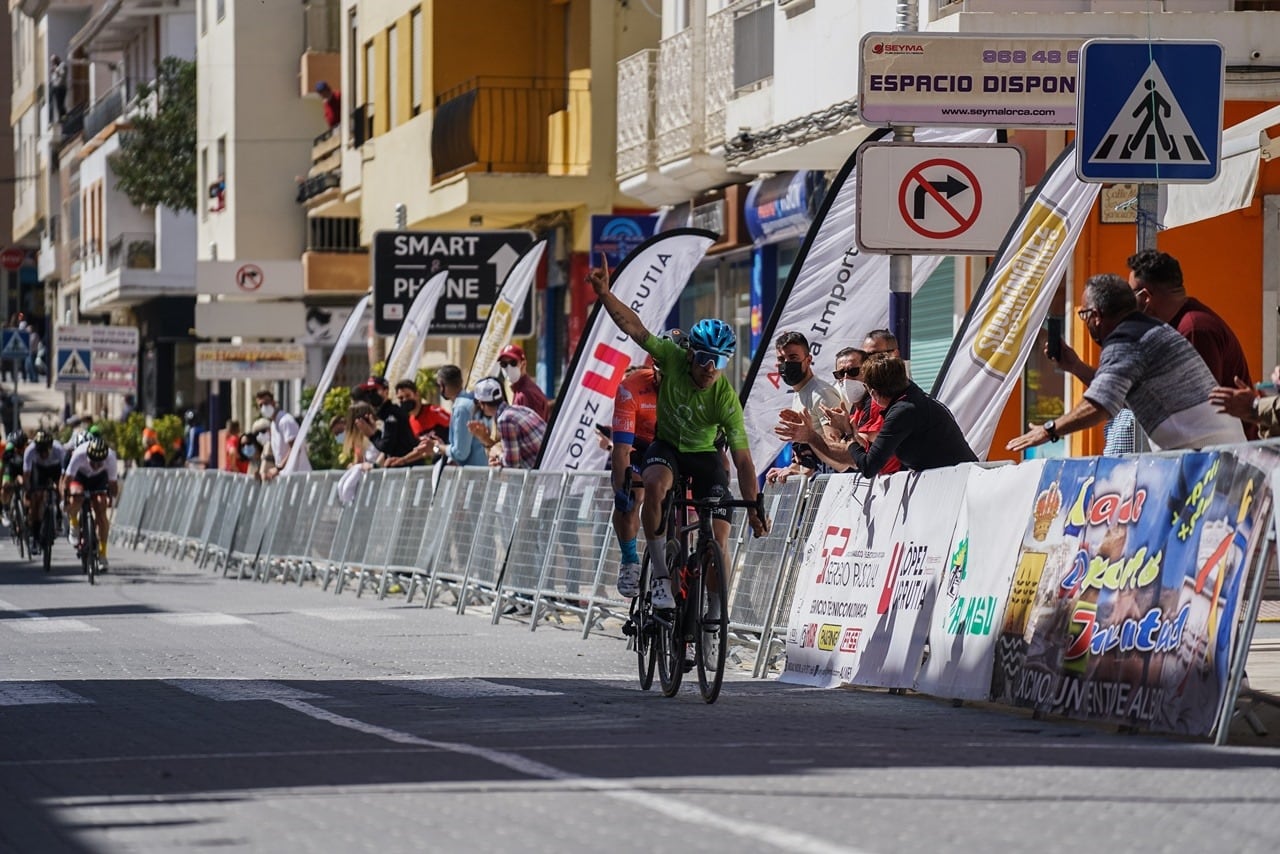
point(74, 365)
point(14, 343)
point(1150, 112)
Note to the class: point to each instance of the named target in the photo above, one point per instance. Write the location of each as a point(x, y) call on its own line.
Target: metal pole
point(900, 265)
point(1148, 213)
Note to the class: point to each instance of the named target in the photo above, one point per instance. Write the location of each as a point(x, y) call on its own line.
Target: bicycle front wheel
point(711, 641)
point(46, 540)
point(18, 529)
point(88, 542)
point(646, 628)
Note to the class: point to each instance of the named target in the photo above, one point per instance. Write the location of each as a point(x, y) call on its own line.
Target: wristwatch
point(1052, 429)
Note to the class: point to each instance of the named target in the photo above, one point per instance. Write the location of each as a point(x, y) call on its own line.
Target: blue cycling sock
point(629, 553)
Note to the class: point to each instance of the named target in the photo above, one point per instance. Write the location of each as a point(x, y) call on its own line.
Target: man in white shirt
point(284, 429)
point(795, 367)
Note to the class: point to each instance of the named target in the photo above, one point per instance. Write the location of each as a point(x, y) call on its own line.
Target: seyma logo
point(834, 544)
point(881, 48)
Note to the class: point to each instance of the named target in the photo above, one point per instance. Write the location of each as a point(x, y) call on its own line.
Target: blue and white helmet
point(713, 336)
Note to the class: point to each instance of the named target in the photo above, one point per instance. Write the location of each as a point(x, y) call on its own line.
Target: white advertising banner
point(250, 361)
point(835, 295)
point(974, 589)
point(298, 460)
point(1004, 318)
point(406, 352)
point(505, 313)
point(868, 577)
point(649, 280)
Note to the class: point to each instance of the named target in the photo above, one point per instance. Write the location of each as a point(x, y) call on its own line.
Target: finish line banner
point(650, 281)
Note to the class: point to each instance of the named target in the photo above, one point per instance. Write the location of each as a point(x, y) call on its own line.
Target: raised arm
point(623, 315)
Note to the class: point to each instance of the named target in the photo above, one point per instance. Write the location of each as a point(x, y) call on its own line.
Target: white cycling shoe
point(629, 580)
point(660, 594)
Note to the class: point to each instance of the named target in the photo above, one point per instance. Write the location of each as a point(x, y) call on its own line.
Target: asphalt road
point(168, 709)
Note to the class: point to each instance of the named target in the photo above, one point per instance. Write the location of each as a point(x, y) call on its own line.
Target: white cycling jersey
point(81, 467)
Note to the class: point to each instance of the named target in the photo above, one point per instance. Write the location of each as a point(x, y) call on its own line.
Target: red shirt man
point(524, 391)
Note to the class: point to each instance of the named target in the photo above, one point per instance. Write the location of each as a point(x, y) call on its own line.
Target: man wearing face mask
point(812, 395)
point(395, 437)
point(284, 427)
point(862, 415)
point(524, 391)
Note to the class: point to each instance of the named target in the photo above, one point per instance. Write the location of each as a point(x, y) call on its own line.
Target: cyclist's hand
point(598, 278)
point(624, 501)
point(759, 522)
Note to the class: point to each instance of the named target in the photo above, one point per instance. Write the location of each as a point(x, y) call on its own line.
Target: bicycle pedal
point(688, 665)
point(629, 629)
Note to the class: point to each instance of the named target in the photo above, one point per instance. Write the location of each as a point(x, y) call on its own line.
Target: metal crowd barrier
point(532, 546)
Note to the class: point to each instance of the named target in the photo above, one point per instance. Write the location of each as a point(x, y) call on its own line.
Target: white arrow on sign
point(503, 260)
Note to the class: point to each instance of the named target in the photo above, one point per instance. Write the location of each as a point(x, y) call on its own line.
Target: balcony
point(321, 34)
point(513, 125)
point(636, 83)
point(131, 250)
point(325, 174)
point(107, 109)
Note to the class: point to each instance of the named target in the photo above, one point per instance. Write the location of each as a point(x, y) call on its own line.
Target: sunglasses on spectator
point(847, 373)
point(706, 357)
point(502, 363)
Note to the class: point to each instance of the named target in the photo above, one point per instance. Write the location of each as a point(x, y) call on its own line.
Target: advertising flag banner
point(835, 295)
point(974, 589)
point(650, 281)
point(868, 576)
point(1127, 589)
point(298, 459)
point(406, 352)
point(1004, 318)
point(505, 313)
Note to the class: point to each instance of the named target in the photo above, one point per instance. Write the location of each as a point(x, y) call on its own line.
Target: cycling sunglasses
point(706, 357)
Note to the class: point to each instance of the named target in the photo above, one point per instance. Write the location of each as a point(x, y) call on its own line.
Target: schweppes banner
point(505, 313)
point(998, 333)
point(835, 295)
point(402, 364)
point(649, 280)
point(298, 459)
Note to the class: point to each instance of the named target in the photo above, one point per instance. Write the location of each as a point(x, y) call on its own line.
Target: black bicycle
point(47, 533)
point(87, 545)
point(18, 521)
point(697, 577)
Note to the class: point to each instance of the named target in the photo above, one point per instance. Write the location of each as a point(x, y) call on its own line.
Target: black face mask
point(793, 373)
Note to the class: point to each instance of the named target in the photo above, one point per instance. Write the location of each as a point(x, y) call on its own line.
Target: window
point(370, 77)
point(353, 57)
point(222, 9)
point(393, 82)
point(415, 61)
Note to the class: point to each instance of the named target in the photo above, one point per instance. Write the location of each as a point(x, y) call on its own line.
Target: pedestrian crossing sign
point(1149, 112)
point(15, 344)
point(74, 365)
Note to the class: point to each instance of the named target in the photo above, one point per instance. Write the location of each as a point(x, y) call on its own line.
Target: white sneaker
point(103, 566)
point(660, 594)
point(629, 580)
point(4, 519)
point(73, 536)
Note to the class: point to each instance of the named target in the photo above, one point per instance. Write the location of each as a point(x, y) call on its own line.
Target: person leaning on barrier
point(390, 433)
point(520, 429)
point(918, 429)
point(463, 449)
point(1145, 365)
point(817, 397)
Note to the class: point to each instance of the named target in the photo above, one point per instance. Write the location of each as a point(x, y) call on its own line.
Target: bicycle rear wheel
point(46, 539)
point(645, 639)
point(18, 528)
point(712, 638)
point(88, 541)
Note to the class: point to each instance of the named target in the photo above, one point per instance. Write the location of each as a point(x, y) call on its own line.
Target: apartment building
point(746, 103)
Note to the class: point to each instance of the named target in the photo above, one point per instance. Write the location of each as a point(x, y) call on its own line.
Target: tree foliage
point(156, 163)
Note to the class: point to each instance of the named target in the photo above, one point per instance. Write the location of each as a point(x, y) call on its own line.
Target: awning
point(1243, 147)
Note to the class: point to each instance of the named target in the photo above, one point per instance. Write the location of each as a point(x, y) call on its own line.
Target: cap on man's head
point(512, 351)
point(373, 383)
point(322, 86)
point(488, 390)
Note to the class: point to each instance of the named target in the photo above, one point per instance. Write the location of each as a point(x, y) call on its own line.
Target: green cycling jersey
point(689, 417)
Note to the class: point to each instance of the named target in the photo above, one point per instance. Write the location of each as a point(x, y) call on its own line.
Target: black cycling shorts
point(92, 482)
point(704, 469)
point(44, 476)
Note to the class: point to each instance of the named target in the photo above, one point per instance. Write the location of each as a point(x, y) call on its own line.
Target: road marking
point(468, 689)
point(197, 619)
point(755, 832)
point(37, 693)
point(236, 690)
point(346, 615)
point(36, 623)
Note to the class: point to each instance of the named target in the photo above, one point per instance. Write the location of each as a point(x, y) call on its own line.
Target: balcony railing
point(637, 75)
point(108, 108)
point(312, 186)
point(509, 124)
point(680, 122)
point(334, 234)
point(132, 251)
point(73, 122)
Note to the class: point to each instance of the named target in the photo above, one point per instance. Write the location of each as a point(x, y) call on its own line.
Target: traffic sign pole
point(900, 264)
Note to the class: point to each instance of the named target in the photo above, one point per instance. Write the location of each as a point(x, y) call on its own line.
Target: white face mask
point(263, 438)
point(339, 437)
point(511, 372)
point(268, 411)
point(853, 391)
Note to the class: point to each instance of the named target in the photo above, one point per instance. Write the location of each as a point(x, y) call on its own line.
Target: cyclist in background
point(92, 471)
point(11, 464)
point(695, 401)
point(41, 468)
point(635, 409)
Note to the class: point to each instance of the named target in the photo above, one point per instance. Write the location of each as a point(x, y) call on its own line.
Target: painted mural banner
point(1127, 589)
point(868, 577)
point(970, 604)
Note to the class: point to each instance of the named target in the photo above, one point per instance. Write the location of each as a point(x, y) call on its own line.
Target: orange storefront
point(1222, 263)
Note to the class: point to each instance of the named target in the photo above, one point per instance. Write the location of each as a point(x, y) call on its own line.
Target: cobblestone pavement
point(167, 709)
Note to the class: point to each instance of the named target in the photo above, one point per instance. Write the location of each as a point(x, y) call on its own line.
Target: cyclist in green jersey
point(695, 403)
